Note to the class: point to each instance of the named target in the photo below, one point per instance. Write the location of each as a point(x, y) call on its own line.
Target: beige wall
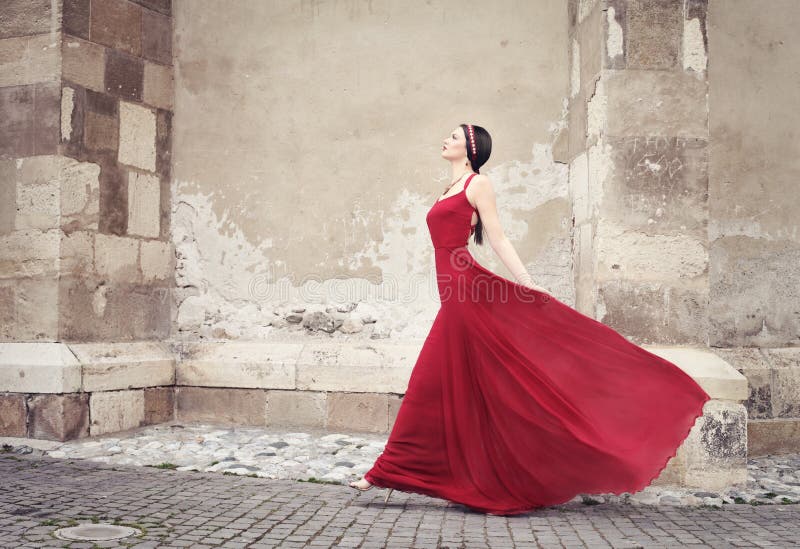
point(754, 172)
point(307, 147)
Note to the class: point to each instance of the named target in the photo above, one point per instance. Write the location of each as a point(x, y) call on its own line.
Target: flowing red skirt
point(518, 401)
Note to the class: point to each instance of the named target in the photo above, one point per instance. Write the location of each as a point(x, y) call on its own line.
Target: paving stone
point(208, 509)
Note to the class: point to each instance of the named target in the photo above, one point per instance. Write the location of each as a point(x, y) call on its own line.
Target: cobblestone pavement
point(318, 454)
point(207, 509)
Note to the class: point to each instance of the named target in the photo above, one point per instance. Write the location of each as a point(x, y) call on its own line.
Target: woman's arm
point(484, 198)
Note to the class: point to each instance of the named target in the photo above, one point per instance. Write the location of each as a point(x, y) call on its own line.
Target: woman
point(518, 401)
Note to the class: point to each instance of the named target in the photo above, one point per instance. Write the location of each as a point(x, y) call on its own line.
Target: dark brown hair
point(483, 149)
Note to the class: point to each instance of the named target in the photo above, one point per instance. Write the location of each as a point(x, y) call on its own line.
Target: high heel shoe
point(353, 485)
point(385, 499)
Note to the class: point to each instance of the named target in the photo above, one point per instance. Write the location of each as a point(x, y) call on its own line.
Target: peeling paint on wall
point(694, 51)
point(615, 37)
point(227, 287)
point(575, 73)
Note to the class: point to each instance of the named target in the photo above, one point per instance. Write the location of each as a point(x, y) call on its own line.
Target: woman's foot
point(362, 485)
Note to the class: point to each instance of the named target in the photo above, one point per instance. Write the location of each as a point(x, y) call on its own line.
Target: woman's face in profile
point(454, 145)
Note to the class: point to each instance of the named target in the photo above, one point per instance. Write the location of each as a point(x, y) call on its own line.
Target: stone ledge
point(38, 367)
point(112, 366)
point(361, 367)
point(718, 378)
point(366, 367)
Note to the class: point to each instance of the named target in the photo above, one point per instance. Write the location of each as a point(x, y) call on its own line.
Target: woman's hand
point(525, 279)
point(538, 288)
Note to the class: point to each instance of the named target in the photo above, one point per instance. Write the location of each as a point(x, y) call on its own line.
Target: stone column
point(85, 124)
point(639, 146)
point(638, 172)
point(639, 154)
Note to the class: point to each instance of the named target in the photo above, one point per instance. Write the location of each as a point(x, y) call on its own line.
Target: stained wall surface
point(753, 174)
point(306, 154)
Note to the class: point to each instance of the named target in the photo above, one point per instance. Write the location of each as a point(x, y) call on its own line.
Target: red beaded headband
point(471, 133)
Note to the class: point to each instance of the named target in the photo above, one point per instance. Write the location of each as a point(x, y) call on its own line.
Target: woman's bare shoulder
point(482, 181)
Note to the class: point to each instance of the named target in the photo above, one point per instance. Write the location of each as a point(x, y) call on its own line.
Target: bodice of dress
point(449, 220)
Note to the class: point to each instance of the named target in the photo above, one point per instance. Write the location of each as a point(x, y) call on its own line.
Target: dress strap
point(468, 180)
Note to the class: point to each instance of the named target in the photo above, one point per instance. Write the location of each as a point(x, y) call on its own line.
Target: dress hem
point(519, 510)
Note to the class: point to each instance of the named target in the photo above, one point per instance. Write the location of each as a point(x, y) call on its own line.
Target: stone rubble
point(317, 455)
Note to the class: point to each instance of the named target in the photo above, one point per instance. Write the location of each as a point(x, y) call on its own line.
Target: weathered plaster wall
point(307, 153)
point(754, 172)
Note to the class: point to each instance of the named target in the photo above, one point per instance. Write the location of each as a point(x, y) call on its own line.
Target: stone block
point(8, 196)
point(113, 199)
point(163, 157)
point(83, 63)
point(116, 258)
point(102, 103)
point(658, 185)
point(159, 405)
point(80, 195)
point(363, 368)
point(358, 412)
point(655, 103)
point(239, 364)
point(157, 260)
point(75, 18)
point(218, 405)
point(163, 7)
point(53, 191)
point(73, 100)
point(13, 415)
point(68, 114)
point(753, 365)
point(29, 119)
point(29, 60)
point(654, 312)
point(301, 408)
point(25, 17)
point(124, 365)
point(753, 298)
point(41, 367)
point(137, 136)
point(92, 309)
point(639, 257)
point(716, 448)
point(29, 253)
point(785, 364)
point(100, 132)
point(157, 37)
point(144, 205)
point(124, 75)
point(32, 314)
point(38, 203)
point(158, 85)
point(58, 417)
point(113, 411)
point(653, 34)
point(117, 24)
point(774, 437)
point(8, 310)
point(77, 253)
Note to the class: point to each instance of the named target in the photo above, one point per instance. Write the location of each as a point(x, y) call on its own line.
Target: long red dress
point(518, 401)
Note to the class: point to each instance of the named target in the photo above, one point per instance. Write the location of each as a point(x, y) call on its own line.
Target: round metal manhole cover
point(96, 532)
